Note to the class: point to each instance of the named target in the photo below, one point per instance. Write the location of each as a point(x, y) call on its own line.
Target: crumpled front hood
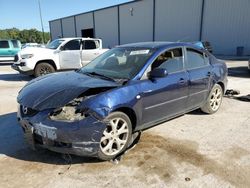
point(56, 90)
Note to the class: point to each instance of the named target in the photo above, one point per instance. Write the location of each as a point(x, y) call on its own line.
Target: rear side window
point(90, 44)
point(4, 44)
point(171, 60)
point(195, 59)
point(72, 45)
point(15, 43)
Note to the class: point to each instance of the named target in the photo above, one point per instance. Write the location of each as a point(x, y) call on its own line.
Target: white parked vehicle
point(27, 45)
point(60, 54)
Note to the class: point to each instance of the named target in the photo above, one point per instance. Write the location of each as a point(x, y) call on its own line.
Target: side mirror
point(157, 73)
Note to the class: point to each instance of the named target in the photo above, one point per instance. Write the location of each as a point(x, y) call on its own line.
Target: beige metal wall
point(55, 29)
point(68, 27)
point(177, 20)
point(84, 21)
point(226, 25)
point(136, 22)
point(106, 26)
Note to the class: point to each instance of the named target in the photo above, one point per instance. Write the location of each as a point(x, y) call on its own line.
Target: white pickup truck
point(60, 54)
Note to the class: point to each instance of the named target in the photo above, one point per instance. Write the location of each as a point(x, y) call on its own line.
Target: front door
point(70, 56)
point(166, 97)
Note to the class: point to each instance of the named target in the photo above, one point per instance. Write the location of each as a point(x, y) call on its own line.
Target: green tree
point(25, 36)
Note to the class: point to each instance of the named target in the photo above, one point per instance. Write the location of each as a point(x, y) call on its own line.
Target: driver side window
point(72, 45)
point(171, 60)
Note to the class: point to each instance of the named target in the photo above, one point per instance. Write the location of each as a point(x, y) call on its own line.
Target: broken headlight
point(69, 112)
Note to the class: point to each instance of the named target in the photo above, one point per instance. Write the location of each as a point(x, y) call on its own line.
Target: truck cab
point(60, 54)
point(77, 53)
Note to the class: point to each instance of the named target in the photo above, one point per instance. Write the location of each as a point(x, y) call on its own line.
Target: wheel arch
point(49, 61)
point(130, 113)
point(222, 86)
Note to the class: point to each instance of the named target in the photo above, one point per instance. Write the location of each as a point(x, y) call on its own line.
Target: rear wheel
point(43, 69)
point(116, 136)
point(214, 100)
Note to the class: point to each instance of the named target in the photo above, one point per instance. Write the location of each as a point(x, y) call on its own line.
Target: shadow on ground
point(197, 112)
point(13, 145)
point(241, 72)
point(15, 77)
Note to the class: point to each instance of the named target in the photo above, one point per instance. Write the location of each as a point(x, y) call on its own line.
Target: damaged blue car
point(96, 110)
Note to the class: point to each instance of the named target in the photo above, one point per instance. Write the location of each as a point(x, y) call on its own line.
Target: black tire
point(214, 100)
point(113, 142)
point(43, 69)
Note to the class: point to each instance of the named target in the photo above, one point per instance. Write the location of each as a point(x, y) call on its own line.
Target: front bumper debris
point(79, 138)
point(17, 68)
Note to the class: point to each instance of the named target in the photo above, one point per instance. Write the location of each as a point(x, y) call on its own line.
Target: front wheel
point(116, 136)
point(43, 69)
point(214, 100)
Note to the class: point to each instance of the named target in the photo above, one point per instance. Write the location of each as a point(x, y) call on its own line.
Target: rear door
point(90, 51)
point(70, 55)
point(199, 72)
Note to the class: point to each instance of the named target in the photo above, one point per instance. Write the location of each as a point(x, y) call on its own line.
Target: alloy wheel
point(115, 137)
point(45, 70)
point(215, 99)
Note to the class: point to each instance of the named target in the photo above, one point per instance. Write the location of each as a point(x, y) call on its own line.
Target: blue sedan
point(96, 110)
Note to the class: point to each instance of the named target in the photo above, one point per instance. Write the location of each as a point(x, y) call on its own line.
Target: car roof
point(158, 45)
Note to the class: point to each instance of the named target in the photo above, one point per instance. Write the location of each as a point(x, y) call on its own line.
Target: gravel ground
point(194, 150)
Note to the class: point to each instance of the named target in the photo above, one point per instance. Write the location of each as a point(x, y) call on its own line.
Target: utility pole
point(41, 20)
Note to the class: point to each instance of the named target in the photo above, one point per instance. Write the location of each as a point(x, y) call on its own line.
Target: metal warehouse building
point(225, 23)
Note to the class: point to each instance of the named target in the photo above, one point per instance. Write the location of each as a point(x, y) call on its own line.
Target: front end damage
point(67, 112)
point(53, 114)
point(72, 128)
point(64, 129)
point(79, 137)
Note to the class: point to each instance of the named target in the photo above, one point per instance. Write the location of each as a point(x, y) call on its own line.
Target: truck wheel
point(43, 68)
point(116, 136)
point(214, 100)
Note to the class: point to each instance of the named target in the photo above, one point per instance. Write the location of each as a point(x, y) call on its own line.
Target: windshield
point(119, 63)
point(54, 44)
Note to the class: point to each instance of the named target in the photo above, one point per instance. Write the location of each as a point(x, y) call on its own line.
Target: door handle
point(182, 81)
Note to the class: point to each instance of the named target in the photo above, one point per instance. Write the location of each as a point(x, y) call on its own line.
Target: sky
point(24, 14)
